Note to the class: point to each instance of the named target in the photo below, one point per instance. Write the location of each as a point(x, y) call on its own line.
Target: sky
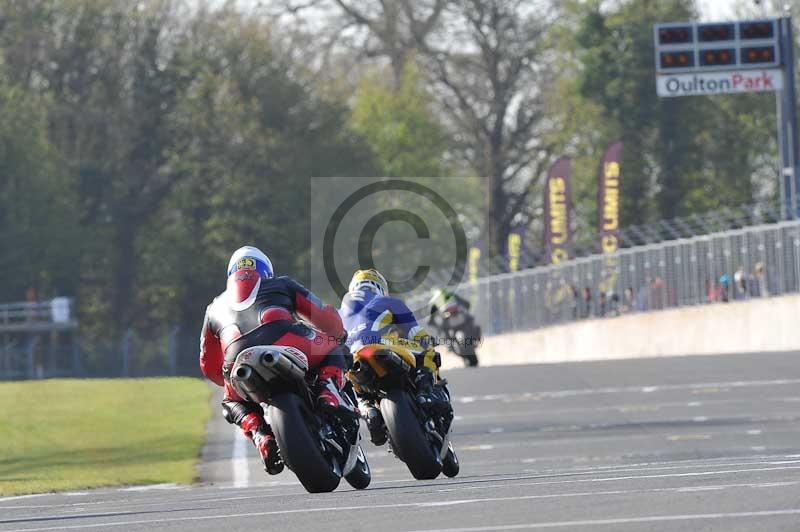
point(713, 10)
point(716, 9)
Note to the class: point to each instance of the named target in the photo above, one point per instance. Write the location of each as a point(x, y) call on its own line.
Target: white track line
point(626, 408)
point(241, 472)
point(333, 509)
point(621, 521)
point(543, 482)
point(625, 389)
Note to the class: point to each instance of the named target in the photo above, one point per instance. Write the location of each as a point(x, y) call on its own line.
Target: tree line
point(141, 141)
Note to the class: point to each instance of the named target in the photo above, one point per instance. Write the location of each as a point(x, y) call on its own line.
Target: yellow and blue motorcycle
point(419, 436)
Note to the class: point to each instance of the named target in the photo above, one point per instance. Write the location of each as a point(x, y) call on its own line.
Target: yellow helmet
point(369, 280)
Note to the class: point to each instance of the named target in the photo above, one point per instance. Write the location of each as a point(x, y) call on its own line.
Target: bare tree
point(391, 29)
point(492, 73)
point(490, 66)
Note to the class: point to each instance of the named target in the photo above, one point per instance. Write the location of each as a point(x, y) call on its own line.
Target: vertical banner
point(557, 233)
point(608, 199)
point(608, 213)
point(474, 261)
point(514, 248)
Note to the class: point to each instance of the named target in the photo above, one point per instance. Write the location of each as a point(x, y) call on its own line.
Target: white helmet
point(247, 268)
point(250, 258)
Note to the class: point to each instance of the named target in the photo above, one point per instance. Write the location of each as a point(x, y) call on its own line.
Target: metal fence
point(34, 354)
point(758, 261)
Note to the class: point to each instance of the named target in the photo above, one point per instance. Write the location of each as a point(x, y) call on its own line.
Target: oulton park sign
point(709, 83)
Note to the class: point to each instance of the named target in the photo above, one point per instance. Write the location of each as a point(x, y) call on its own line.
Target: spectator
point(759, 281)
point(642, 296)
point(656, 301)
point(739, 283)
point(713, 292)
point(574, 300)
point(613, 307)
point(601, 304)
point(586, 303)
point(628, 301)
point(724, 288)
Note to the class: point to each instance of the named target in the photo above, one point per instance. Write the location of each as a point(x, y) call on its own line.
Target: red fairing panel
point(325, 318)
point(316, 348)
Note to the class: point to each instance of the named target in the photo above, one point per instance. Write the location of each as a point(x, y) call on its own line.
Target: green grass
point(60, 435)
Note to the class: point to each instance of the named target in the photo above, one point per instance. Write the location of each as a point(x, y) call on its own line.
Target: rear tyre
point(300, 448)
point(360, 476)
point(408, 437)
point(471, 360)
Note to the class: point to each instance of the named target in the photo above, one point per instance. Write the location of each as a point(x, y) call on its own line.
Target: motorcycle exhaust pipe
point(250, 382)
point(398, 361)
point(282, 366)
point(244, 373)
point(362, 373)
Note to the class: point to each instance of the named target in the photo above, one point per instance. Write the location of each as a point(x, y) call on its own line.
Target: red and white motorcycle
point(319, 447)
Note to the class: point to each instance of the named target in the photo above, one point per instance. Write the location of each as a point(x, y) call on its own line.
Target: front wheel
point(450, 464)
point(360, 476)
point(408, 437)
point(300, 448)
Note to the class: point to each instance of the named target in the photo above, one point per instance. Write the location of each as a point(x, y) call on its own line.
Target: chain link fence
point(740, 264)
point(51, 354)
point(758, 261)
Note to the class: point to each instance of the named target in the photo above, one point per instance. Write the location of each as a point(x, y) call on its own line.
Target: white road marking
point(731, 461)
point(626, 389)
point(149, 488)
point(481, 447)
point(692, 489)
point(689, 437)
point(333, 509)
point(18, 497)
point(241, 473)
point(754, 432)
point(623, 408)
point(621, 521)
point(616, 478)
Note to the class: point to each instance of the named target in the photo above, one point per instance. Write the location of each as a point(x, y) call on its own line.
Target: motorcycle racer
point(371, 316)
point(451, 321)
point(440, 298)
point(258, 308)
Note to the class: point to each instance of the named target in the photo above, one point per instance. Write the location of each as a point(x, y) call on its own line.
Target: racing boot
point(330, 397)
point(257, 431)
point(372, 415)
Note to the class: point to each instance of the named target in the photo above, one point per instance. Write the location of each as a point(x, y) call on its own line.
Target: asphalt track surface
point(674, 444)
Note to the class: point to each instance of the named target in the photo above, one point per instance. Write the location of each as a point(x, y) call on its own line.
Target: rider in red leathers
point(259, 309)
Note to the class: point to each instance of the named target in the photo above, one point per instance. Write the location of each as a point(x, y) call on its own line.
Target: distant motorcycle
point(320, 448)
point(418, 436)
point(456, 326)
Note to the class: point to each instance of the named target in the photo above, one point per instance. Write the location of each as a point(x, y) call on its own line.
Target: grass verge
point(66, 434)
